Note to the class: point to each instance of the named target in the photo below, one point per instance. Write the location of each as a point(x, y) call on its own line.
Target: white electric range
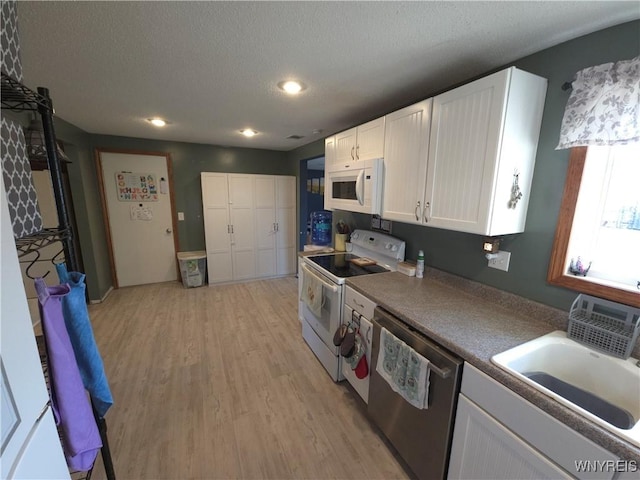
point(321, 288)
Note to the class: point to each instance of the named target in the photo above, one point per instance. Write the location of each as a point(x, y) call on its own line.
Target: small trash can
point(193, 268)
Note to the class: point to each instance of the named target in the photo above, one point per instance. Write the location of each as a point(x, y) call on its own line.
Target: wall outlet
point(500, 260)
point(180, 216)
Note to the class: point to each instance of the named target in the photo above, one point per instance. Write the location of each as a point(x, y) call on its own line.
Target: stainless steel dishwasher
point(421, 437)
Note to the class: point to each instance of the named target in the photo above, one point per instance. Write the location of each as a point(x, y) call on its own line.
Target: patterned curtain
point(604, 106)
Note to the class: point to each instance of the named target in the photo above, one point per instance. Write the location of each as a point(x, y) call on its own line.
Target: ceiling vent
point(295, 137)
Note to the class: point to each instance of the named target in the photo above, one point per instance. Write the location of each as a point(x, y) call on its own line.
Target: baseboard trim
point(104, 297)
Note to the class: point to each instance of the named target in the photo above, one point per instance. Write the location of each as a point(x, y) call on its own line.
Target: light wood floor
point(217, 382)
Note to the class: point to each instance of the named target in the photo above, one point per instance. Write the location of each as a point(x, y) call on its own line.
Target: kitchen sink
point(600, 387)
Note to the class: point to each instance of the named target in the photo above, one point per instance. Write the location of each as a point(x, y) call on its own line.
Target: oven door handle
point(325, 284)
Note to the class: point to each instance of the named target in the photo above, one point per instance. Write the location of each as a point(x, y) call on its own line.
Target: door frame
point(105, 211)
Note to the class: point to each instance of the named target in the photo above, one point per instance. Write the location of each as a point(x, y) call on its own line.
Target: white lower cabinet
point(499, 435)
point(483, 448)
point(249, 223)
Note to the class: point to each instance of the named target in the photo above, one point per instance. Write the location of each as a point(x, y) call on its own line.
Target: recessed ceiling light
point(158, 122)
point(291, 87)
point(247, 132)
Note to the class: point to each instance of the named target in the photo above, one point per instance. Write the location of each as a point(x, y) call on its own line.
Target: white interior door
point(27, 429)
point(138, 202)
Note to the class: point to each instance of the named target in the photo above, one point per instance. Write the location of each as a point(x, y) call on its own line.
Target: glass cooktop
point(340, 265)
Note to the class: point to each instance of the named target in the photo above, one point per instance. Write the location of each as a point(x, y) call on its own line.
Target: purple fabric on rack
point(71, 407)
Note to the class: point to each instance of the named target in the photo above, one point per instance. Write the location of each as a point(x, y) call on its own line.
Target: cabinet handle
point(352, 157)
point(417, 210)
point(277, 227)
point(357, 152)
point(427, 205)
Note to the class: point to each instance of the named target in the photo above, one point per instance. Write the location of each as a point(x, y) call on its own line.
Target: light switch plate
point(180, 216)
point(501, 260)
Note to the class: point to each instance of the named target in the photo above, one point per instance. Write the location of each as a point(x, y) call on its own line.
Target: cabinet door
point(370, 140)
point(345, 147)
point(330, 152)
point(265, 217)
point(483, 448)
point(464, 144)
point(215, 204)
point(286, 225)
point(406, 147)
point(243, 235)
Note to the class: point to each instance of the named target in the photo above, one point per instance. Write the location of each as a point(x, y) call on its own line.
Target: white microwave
point(356, 187)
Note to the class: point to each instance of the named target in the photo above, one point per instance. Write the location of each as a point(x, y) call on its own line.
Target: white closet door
point(286, 224)
point(243, 244)
point(266, 225)
point(215, 199)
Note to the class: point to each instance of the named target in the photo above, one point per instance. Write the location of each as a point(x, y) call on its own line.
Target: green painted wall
point(458, 253)
point(189, 159)
point(461, 253)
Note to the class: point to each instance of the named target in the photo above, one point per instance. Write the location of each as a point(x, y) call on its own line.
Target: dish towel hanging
point(69, 400)
point(406, 372)
point(312, 293)
point(76, 319)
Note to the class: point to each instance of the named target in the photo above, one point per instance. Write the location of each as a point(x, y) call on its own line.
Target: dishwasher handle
point(441, 372)
point(382, 317)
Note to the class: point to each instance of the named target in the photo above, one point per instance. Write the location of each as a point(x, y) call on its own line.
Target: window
point(599, 224)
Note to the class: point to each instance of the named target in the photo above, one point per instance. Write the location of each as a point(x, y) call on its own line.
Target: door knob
point(169, 230)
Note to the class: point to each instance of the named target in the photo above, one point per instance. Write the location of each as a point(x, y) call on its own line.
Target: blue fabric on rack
point(76, 318)
point(69, 401)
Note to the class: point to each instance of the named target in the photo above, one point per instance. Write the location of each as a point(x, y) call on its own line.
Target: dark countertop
point(475, 322)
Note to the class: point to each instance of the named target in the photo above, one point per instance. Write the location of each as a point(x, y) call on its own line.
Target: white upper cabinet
point(406, 147)
point(330, 150)
point(482, 149)
point(359, 143)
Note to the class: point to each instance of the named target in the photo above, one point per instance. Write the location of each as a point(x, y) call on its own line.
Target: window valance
point(604, 106)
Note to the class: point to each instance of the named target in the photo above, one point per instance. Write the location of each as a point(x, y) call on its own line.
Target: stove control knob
point(394, 248)
point(355, 236)
point(387, 246)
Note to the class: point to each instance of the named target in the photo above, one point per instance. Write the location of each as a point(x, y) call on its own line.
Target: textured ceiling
point(211, 68)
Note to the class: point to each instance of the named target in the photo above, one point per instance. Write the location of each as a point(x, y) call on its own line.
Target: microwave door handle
point(360, 188)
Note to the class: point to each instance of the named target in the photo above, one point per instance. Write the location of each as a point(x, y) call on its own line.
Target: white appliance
point(356, 187)
point(330, 272)
point(358, 314)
